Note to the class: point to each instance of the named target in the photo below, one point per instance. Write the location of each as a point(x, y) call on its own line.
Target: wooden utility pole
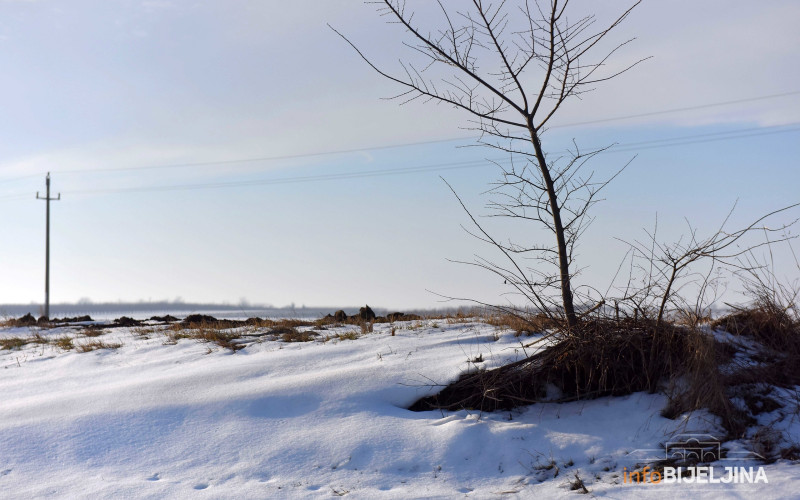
point(47, 199)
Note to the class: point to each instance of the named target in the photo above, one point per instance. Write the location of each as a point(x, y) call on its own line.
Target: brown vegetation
point(609, 358)
point(97, 345)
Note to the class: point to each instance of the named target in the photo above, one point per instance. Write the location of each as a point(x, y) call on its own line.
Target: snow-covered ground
point(318, 419)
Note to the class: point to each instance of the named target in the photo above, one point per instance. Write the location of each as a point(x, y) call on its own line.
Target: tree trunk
point(563, 258)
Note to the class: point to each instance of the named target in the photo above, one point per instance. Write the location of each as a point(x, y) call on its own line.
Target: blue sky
point(92, 85)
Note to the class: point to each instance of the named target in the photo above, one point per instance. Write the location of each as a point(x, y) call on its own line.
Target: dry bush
point(701, 385)
point(768, 323)
point(97, 345)
point(578, 485)
point(366, 327)
point(605, 358)
point(691, 318)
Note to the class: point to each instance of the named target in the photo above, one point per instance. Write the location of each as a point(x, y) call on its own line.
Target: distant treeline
point(146, 309)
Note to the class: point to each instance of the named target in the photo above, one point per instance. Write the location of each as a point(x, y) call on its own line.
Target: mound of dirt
point(126, 321)
point(76, 319)
point(164, 319)
point(27, 320)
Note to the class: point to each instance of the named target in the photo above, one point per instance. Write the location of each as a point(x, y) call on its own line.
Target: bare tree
point(666, 269)
point(511, 65)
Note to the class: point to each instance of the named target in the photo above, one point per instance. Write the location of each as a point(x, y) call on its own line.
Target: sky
point(195, 144)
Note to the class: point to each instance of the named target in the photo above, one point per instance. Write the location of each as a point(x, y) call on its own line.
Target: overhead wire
point(618, 148)
point(406, 144)
point(643, 145)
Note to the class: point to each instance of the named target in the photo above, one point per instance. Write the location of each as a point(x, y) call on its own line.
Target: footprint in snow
point(5, 472)
point(201, 486)
point(155, 477)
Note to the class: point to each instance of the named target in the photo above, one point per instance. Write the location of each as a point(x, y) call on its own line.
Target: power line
point(291, 180)
point(644, 145)
point(401, 145)
point(679, 110)
point(622, 148)
point(23, 177)
point(688, 140)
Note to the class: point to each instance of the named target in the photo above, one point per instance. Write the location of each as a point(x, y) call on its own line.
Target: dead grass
point(92, 332)
point(351, 335)
point(202, 321)
point(605, 358)
point(173, 335)
point(223, 333)
point(701, 385)
point(13, 343)
point(16, 343)
point(293, 335)
point(64, 343)
point(522, 323)
point(145, 332)
point(97, 345)
point(772, 326)
point(609, 357)
point(217, 336)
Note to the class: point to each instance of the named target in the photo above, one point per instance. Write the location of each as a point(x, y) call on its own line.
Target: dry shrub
point(603, 358)
point(700, 384)
point(769, 324)
point(767, 441)
point(578, 485)
point(366, 327)
point(777, 330)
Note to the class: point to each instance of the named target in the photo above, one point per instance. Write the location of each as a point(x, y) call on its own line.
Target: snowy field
point(319, 419)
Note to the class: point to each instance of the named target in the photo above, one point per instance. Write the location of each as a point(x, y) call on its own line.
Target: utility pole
point(47, 199)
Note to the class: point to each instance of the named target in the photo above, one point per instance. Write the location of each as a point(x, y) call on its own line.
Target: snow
point(320, 419)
